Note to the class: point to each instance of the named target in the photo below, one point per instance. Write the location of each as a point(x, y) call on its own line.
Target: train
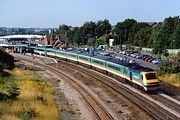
point(136, 75)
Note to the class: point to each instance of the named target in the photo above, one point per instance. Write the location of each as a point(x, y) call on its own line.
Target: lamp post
point(97, 42)
point(172, 44)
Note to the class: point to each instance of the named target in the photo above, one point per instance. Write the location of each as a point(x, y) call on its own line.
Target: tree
point(102, 27)
point(175, 38)
point(88, 31)
point(71, 34)
point(103, 39)
point(63, 28)
point(168, 27)
point(164, 35)
point(142, 37)
point(157, 39)
point(135, 28)
point(78, 37)
point(122, 29)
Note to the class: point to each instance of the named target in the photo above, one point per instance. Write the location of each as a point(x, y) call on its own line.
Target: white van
point(102, 46)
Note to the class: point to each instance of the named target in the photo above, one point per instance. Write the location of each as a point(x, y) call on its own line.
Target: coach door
point(130, 74)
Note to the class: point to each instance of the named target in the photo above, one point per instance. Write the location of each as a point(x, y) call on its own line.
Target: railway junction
point(120, 100)
point(89, 91)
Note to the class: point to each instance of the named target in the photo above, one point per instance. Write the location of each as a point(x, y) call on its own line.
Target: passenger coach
point(136, 75)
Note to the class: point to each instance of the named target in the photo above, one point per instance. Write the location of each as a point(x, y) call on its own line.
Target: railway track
point(100, 111)
point(154, 105)
point(168, 103)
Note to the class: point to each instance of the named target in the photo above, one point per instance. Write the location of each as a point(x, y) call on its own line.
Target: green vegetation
point(169, 72)
point(159, 36)
point(169, 67)
point(23, 94)
point(8, 86)
point(34, 98)
point(84, 34)
point(6, 60)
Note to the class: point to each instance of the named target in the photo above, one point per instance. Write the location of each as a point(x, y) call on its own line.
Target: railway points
point(162, 105)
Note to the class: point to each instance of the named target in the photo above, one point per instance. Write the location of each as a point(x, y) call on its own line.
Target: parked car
point(121, 52)
point(132, 61)
point(133, 55)
point(144, 57)
point(129, 53)
point(127, 60)
point(148, 58)
point(112, 55)
point(156, 61)
point(139, 56)
point(106, 53)
point(117, 57)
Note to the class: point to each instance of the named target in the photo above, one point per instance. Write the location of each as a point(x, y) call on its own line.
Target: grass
point(35, 102)
point(173, 79)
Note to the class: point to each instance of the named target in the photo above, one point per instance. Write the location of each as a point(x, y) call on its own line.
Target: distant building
point(22, 38)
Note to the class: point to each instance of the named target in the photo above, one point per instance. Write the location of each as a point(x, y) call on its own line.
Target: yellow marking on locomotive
point(52, 54)
point(98, 66)
point(62, 56)
point(152, 81)
point(124, 76)
point(84, 61)
point(72, 58)
point(115, 72)
point(39, 52)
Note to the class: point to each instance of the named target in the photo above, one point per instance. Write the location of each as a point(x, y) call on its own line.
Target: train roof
point(134, 67)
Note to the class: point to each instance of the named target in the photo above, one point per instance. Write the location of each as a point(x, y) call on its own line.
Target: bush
point(169, 67)
point(8, 88)
point(6, 59)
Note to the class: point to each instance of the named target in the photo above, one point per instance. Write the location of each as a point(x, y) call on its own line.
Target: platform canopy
point(22, 36)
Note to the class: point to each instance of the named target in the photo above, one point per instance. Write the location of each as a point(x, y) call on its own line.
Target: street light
point(97, 42)
point(172, 44)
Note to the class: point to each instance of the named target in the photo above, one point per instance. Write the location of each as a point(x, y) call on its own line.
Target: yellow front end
point(150, 81)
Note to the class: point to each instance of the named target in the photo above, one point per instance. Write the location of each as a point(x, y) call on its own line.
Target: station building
point(20, 43)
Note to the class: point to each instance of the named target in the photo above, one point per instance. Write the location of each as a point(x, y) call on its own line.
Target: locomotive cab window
point(151, 76)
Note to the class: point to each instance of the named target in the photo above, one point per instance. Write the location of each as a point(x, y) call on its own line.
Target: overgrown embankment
point(169, 74)
point(34, 98)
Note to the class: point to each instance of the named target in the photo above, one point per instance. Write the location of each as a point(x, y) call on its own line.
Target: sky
point(52, 13)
